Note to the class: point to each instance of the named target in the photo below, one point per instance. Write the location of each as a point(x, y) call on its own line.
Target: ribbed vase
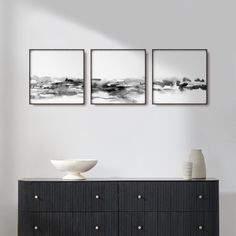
point(199, 166)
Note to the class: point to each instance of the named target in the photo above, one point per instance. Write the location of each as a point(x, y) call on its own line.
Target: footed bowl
point(74, 167)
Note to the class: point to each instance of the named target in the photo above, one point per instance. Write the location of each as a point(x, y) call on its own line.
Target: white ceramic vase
point(199, 166)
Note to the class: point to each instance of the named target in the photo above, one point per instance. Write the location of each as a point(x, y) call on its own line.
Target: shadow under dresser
point(118, 207)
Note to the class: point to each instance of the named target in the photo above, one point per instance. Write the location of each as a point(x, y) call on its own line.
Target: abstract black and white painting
point(56, 76)
point(118, 76)
point(179, 76)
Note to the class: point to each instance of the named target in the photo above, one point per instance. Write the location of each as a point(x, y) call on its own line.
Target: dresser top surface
point(118, 180)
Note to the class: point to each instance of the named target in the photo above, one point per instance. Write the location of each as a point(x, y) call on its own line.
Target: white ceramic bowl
point(74, 167)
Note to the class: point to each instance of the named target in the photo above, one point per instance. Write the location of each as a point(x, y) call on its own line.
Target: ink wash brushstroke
point(180, 76)
point(118, 76)
point(56, 76)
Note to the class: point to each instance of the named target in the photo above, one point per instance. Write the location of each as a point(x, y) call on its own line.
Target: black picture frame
point(117, 104)
point(206, 72)
point(84, 77)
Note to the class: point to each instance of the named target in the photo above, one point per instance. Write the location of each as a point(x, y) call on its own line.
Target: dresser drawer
point(45, 224)
point(168, 224)
point(68, 196)
point(68, 224)
point(96, 224)
point(168, 196)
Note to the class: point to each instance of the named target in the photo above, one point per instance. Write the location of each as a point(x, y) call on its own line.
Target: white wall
point(132, 141)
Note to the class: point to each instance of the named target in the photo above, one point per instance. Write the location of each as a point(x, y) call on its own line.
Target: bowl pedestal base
point(74, 176)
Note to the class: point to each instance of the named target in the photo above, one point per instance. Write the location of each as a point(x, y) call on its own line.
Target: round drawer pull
point(97, 227)
point(200, 196)
point(140, 227)
point(36, 197)
point(36, 227)
point(139, 196)
point(97, 197)
point(200, 227)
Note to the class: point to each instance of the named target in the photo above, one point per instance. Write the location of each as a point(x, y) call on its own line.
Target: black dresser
point(118, 207)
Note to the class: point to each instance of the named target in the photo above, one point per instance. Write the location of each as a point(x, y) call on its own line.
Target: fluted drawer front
point(45, 224)
point(99, 223)
point(68, 224)
point(168, 196)
point(168, 224)
point(118, 208)
point(68, 196)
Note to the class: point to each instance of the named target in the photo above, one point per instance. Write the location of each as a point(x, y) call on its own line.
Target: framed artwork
point(118, 76)
point(56, 76)
point(180, 76)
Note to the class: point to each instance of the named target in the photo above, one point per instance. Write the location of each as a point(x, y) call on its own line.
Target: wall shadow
point(132, 22)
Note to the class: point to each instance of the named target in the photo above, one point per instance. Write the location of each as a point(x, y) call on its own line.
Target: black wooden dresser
point(118, 207)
